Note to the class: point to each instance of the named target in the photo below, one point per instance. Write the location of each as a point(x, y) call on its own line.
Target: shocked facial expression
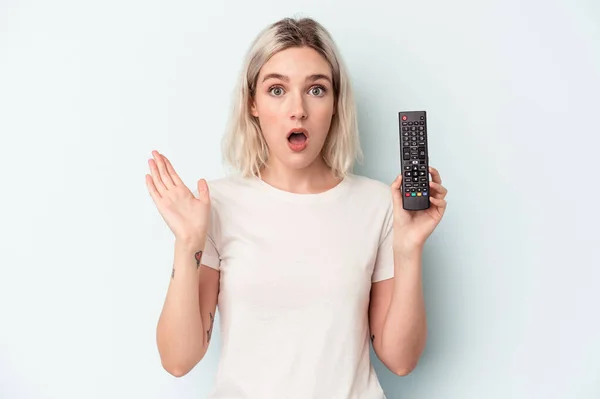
point(294, 103)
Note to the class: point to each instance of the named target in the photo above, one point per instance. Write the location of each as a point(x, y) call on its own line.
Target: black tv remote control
point(414, 160)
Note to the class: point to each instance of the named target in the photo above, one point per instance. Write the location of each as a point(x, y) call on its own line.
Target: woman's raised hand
point(186, 215)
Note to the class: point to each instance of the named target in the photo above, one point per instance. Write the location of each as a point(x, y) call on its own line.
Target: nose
point(298, 108)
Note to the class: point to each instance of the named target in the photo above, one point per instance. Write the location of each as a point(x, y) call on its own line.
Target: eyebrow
point(311, 78)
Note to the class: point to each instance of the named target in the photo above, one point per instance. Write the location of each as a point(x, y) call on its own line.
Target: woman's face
point(294, 93)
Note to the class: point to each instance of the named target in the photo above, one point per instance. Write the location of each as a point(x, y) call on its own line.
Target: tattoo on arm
point(209, 331)
point(198, 256)
point(372, 338)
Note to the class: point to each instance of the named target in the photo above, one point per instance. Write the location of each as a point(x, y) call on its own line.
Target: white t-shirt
point(296, 273)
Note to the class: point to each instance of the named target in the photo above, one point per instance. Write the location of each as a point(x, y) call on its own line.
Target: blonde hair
point(244, 147)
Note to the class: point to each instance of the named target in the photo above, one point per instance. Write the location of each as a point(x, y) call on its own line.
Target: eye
point(276, 90)
point(318, 90)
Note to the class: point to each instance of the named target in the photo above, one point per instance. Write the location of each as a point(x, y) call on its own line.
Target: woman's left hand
point(412, 228)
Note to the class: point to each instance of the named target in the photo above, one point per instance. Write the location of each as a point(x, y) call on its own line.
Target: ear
point(253, 109)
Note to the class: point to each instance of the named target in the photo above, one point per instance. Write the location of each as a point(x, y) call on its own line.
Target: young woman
point(307, 262)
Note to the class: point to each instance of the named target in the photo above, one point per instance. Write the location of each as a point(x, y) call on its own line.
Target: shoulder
point(370, 189)
point(376, 204)
point(228, 187)
point(375, 198)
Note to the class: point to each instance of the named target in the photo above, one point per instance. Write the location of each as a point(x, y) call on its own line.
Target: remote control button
point(424, 193)
point(419, 194)
point(421, 117)
point(413, 194)
point(408, 184)
point(408, 174)
point(407, 194)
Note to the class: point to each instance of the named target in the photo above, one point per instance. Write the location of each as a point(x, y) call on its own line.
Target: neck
point(313, 179)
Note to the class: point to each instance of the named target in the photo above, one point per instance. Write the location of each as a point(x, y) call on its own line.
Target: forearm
point(404, 330)
point(180, 331)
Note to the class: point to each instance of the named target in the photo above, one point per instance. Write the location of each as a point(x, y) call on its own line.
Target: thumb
point(396, 188)
point(203, 192)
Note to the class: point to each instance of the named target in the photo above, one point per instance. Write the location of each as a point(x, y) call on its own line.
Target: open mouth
point(297, 139)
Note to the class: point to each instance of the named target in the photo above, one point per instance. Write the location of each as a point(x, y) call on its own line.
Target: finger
point(203, 191)
point(440, 190)
point(152, 189)
point(396, 184)
point(439, 203)
point(158, 183)
point(435, 175)
point(176, 179)
point(162, 169)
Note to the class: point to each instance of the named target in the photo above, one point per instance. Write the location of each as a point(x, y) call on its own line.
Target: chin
point(299, 160)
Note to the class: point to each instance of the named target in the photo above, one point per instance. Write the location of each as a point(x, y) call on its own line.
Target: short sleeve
point(384, 261)
point(210, 255)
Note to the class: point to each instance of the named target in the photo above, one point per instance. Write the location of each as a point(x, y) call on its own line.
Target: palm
point(416, 226)
point(425, 219)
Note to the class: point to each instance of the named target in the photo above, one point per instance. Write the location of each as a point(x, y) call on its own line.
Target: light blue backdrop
point(88, 89)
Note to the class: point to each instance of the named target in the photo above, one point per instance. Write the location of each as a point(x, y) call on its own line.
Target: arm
point(397, 310)
point(186, 321)
point(397, 314)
